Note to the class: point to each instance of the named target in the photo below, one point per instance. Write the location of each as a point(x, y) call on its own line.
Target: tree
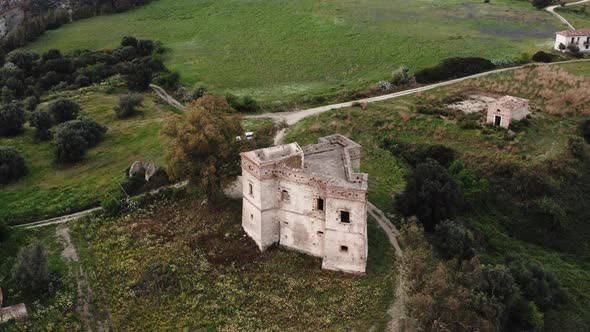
point(12, 165)
point(540, 4)
point(203, 147)
point(12, 119)
point(31, 273)
point(74, 137)
point(400, 76)
point(128, 105)
point(129, 41)
point(562, 47)
point(430, 194)
point(64, 110)
point(245, 104)
point(42, 122)
point(542, 57)
point(453, 240)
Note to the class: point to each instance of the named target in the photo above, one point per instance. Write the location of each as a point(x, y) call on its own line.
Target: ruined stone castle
point(311, 199)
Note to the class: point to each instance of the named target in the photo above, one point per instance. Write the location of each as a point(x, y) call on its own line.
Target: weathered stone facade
point(506, 109)
point(309, 199)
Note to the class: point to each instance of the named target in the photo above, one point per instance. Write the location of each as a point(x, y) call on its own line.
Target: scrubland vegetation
point(516, 195)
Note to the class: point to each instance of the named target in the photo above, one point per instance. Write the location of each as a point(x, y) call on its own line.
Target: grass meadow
point(49, 190)
point(284, 50)
point(577, 15)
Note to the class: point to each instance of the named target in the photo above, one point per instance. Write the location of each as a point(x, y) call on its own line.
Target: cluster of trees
point(27, 76)
point(453, 68)
point(459, 293)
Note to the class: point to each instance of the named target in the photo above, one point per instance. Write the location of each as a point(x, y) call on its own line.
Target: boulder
point(148, 168)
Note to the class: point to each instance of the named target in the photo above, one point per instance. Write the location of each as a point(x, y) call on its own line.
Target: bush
point(453, 68)
point(577, 148)
point(245, 104)
point(474, 189)
point(42, 122)
point(73, 138)
point(63, 110)
point(540, 4)
point(400, 76)
point(31, 102)
point(536, 284)
point(169, 81)
point(31, 273)
point(139, 77)
point(12, 165)
point(584, 129)
point(542, 57)
point(128, 105)
point(431, 195)
point(82, 81)
point(129, 41)
point(12, 119)
point(454, 240)
point(4, 232)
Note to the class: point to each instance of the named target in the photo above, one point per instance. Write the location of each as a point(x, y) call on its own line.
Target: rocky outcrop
point(11, 15)
point(148, 168)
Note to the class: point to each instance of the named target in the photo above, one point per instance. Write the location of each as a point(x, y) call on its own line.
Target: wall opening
point(320, 233)
point(497, 120)
point(345, 217)
point(343, 249)
point(250, 189)
point(320, 204)
point(285, 195)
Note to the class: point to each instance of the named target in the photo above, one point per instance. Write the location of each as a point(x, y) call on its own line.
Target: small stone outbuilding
point(310, 199)
point(507, 109)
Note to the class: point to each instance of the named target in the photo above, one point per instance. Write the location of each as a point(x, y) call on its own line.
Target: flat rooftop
point(328, 163)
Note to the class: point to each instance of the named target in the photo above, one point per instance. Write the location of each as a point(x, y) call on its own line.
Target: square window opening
point(320, 204)
point(343, 249)
point(345, 217)
point(285, 196)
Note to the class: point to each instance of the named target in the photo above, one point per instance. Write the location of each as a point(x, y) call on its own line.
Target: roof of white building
point(512, 102)
point(575, 33)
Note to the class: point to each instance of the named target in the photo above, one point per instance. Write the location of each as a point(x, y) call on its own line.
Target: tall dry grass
point(551, 88)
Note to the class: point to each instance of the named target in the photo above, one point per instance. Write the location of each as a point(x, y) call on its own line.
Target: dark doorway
point(320, 204)
point(497, 120)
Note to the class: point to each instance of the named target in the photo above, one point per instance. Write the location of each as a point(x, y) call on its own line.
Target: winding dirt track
point(551, 9)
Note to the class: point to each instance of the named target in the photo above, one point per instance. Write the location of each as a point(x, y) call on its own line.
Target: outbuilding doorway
point(497, 120)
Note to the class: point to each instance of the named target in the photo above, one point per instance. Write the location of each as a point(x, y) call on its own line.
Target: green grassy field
point(291, 50)
point(578, 17)
point(50, 190)
point(179, 265)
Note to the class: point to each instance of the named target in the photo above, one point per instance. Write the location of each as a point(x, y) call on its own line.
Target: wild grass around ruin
point(180, 264)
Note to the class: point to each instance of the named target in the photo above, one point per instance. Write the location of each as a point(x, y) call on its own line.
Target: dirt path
point(85, 293)
point(551, 9)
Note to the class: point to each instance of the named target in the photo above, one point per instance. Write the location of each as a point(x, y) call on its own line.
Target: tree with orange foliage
point(204, 148)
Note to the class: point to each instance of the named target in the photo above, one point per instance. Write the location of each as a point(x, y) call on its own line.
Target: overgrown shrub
point(474, 189)
point(584, 129)
point(540, 4)
point(12, 119)
point(245, 104)
point(542, 57)
point(430, 194)
point(64, 110)
point(73, 138)
point(453, 68)
point(400, 76)
point(454, 240)
point(550, 213)
point(128, 105)
point(139, 76)
point(169, 81)
point(31, 273)
point(577, 148)
point(42, 122)
point(12, 165)
point(416, 154)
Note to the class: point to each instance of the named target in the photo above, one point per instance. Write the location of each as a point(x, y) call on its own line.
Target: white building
point(507, 109)
point(310, 199)
point(578, 37)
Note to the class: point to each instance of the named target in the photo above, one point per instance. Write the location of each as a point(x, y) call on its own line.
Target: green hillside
point(284, 50)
